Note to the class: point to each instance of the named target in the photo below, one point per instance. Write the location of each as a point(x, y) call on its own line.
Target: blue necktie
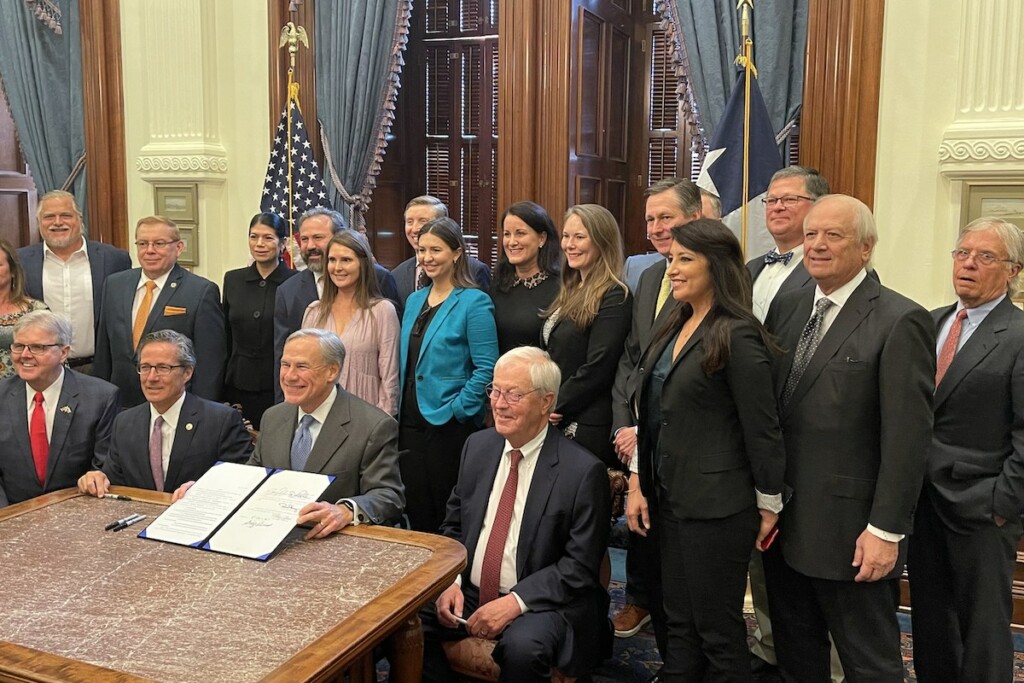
point(775, 257)
point(302, 444)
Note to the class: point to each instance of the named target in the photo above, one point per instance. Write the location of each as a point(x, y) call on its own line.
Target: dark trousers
point(526, 650)
point(962, 604)
point(429, 464)
point(254, 403)
point(643, 582)
point(860, 616)
point(704, 579)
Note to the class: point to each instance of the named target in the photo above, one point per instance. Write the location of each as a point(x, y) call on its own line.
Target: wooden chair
point(471, 657)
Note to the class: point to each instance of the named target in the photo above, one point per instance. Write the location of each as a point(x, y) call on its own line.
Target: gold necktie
point(663, 293)
point(143, 315)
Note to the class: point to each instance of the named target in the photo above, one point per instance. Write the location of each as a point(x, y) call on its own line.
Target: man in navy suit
point(58, 270)
point(66, 428)
point(418, 212)
point(316, 228)
point(532, 509)
point(174, 437)
point(161, 295)
point(968, 520)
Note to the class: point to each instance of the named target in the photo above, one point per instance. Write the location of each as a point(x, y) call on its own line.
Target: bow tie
point(775, 257)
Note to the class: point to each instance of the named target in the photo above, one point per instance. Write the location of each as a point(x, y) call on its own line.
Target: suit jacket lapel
point(446, 307)
point(188, 425)
point(755, 266)
point(96, 267)
point(797, 279)
point(62, 419)
point(857, 307)
point(983, 341)
point(545, 474)
point(474, 504)
point(333, 433)
point(17, 411)
point(169, 289)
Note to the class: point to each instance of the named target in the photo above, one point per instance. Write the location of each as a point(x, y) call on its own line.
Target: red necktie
point(37, 436)
point(949, 346)
point(490, 571)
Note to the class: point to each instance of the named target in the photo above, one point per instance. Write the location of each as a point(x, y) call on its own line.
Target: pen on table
point(116, 496)
point(119, 522)
point(133, 520)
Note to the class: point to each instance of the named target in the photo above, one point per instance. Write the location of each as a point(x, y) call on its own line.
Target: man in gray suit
point(418, 212)
point(58, 269)
point(671, 202)
point(161, 295)
point(322, 428)
point(855, 389)
point(968, 520)
point(66, 427)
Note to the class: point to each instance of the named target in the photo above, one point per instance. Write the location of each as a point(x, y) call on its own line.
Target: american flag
point(292, 152)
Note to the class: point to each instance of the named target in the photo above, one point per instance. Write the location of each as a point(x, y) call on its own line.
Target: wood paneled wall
point(839, 124)
point(305, 67)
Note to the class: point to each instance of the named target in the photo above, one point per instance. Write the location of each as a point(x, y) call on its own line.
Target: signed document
point(238, 509)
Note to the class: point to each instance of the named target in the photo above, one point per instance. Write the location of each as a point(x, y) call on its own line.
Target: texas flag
point(722, 172)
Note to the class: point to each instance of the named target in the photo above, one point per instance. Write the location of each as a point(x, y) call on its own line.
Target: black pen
point(116, 496)
point(125, 525)
point(119, 522)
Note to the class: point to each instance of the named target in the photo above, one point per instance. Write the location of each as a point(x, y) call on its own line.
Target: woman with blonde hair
point(586, 327)
point(353, 308)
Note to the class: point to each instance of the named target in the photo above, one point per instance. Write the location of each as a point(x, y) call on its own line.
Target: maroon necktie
point(37, 437)
point(949, 346)
point(490, 571)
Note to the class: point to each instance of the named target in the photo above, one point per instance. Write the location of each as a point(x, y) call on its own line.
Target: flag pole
point(746, 60)
point(291, 35)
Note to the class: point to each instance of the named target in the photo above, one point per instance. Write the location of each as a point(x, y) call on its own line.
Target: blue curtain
point(358, 48)
point(710, 33)
point(41, 70)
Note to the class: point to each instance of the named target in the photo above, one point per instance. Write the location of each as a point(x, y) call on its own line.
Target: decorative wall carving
point(982, 151)
point(184, 164)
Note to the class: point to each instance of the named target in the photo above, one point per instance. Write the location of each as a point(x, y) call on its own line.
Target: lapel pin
point(173, 285)
point(188, 427)
point(65, 409)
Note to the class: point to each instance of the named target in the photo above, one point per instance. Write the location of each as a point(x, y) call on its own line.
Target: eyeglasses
point(34, 349)
point(162, 370)
point(511, 397)
point(985, 258)
point(159, 245)
point(788, 201)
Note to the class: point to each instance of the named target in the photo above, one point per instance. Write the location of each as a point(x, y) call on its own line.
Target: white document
point(269, 515)
point(208, 503)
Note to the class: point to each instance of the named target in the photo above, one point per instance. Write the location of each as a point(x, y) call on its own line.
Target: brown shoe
point(630, 620)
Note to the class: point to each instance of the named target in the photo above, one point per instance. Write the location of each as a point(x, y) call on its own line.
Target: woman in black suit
point(526, 277)
point(249, 295)
point(711, 454)
point(586, 327)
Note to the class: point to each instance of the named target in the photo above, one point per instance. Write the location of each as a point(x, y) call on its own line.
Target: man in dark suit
point(161, 295)
point(670, 203)
point(316, 228)
point(66, 428)
point(418, 212)
point(532, 509)
point(57, 269)
point(174, 437)
point(968, 520)
point(855, 386)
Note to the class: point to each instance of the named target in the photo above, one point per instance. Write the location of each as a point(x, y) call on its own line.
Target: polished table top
point(172, 613)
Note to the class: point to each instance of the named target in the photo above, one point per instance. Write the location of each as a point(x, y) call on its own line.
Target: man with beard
point(316, 228)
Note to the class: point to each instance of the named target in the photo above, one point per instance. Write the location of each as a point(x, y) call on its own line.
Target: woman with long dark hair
point(711, 453)
point(586, 327)
point(249, 295)
point(526, 277)
point(449, 347)
point(353, 307)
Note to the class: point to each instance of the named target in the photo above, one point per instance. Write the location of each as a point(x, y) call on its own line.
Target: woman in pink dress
point(353, 308)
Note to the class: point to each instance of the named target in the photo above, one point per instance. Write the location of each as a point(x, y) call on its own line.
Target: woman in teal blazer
point(449, 347)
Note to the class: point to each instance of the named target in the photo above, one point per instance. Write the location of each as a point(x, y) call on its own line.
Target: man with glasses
point(55, 422)
point(532, 509)
point(175, 436)
point(968, 520)
point(67, 271)
point(161, 295)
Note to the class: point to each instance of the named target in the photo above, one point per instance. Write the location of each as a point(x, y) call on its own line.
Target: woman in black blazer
point(249, 295)
point(586, 327)
point(711, 453)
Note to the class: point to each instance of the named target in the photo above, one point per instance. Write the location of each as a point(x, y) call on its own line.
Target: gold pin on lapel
point(188, 427)
point(65, 409)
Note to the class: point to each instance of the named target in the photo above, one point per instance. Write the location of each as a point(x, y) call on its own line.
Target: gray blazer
point(104, 261)
point(358, 444)
point(78, 443)
point(636, 265)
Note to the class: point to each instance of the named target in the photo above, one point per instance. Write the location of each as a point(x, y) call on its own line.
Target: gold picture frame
point(178, 202)
point(988, 198)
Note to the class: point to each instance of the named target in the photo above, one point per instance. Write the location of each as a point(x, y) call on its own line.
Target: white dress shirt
point(770, 280)
point(51, 395)
point(140, 292)
point(67, 290)
point(167, 429)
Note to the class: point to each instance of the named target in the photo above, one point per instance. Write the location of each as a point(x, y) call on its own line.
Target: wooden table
point(78, 603)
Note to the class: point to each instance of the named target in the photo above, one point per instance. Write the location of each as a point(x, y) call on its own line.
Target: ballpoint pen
point(132, 520)
point(119, 522)
point(117, 496)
